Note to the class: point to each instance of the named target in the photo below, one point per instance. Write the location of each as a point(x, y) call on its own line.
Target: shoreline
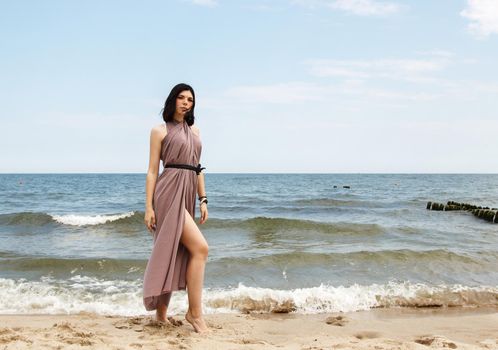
point(379, 328)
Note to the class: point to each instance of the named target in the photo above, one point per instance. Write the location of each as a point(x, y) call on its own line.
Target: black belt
point(197, 168)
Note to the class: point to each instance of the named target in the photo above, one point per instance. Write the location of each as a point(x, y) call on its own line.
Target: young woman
point(180, 250)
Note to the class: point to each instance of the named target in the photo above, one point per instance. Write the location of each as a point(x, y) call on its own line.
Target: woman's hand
point(150, 220)
point(204, 212)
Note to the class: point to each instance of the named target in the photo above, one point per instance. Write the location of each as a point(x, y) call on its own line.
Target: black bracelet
point(202, 197)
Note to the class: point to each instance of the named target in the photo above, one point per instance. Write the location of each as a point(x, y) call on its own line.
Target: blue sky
point(282, 86)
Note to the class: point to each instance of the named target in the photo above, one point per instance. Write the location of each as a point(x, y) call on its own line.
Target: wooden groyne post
point(486, 213)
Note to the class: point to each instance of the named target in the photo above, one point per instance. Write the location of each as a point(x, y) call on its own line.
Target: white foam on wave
point(324, 298)
point(80, 220)
point(121, 297)
point(77, 294)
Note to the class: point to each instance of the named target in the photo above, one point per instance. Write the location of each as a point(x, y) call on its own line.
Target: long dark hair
point(170, 105)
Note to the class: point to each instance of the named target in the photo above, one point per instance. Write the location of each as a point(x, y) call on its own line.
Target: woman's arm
point(152, 173)
point(201, 190)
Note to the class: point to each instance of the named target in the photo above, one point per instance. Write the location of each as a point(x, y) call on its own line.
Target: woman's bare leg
point(162, 307)
point(197, 246)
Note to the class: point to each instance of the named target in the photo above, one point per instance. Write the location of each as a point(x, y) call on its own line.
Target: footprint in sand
point(213, 325)
point(250, 341)
point(70, 335)
point(367, 335)
point(157, 324)
point(138, 323)
point(489, 343)
point(8, 335)
point(127, 323)
point(336, 320)
point(175, 322)
point(435, 341)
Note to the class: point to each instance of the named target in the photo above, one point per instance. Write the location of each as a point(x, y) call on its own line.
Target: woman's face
point(184, 102)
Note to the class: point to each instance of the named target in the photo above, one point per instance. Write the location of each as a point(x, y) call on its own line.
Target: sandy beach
point(406, 328)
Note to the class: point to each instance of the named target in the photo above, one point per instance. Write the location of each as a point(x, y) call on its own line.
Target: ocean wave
point(326, 298)
point(118, 297)
point(269, 224)
point(41, 219)
point(134, 219)
point(393, 258)
point(66, 266)
point(26, 218)
point(81, 220)
point(400, 258)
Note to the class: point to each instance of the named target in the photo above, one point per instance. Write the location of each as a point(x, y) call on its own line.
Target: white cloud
point(297, 92)
point(356, 7)
point(415, 70)
point(484, 16)
point(279, 93)
point(365, 7)
point(387, 82)
point(207, 3)
point(437, 53)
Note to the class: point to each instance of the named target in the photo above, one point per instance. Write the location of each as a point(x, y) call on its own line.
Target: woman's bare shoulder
point(158, 131)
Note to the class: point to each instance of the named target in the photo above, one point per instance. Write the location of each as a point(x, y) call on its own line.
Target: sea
point(298, 243)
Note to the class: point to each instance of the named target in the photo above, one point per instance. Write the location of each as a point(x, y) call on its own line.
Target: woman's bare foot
point(162, 318)
point(198, 323)
point(163, 321)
